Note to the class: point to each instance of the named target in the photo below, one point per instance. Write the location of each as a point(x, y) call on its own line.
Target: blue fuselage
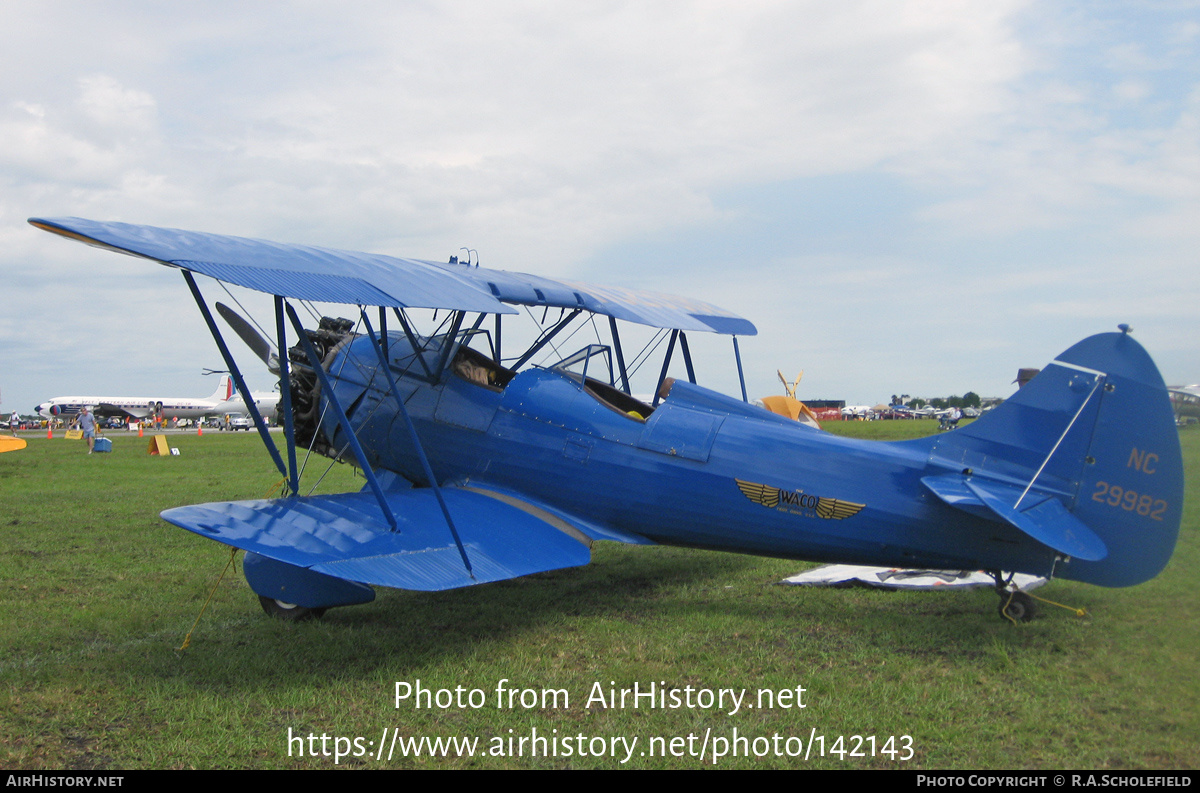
point(701, 470)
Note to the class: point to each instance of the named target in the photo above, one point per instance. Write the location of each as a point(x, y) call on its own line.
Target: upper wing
point(336, 276)
point(297, 271)
point(655, 309)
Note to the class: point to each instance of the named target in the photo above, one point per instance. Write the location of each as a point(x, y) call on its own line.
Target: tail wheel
point(1016, 606)
point(288, 612)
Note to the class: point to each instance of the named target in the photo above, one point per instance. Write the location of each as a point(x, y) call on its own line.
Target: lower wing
point(347, 537)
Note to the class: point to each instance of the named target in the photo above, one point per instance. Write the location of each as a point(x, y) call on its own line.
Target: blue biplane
point(481, 468)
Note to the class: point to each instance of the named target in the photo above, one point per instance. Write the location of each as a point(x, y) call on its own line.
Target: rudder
point(224, 390)
point(1131, 492)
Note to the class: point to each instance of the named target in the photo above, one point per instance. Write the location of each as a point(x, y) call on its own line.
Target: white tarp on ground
point(847, 575)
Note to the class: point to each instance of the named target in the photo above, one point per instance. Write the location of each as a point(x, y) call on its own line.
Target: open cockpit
point(478, 369)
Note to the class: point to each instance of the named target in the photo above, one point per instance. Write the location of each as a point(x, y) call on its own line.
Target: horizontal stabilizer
point(1041, 516)
point(347, 537)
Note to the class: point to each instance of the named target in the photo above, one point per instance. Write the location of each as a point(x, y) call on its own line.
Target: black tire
point(289, 612)
point(1016, 607)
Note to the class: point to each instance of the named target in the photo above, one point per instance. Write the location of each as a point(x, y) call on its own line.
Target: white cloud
point(107, 102)
point(549, 135)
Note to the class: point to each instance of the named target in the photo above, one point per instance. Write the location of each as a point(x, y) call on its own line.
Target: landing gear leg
point(1015, 605)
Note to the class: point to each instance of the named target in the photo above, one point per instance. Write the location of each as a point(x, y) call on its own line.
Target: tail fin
point(1085, 458)
point(224, 390)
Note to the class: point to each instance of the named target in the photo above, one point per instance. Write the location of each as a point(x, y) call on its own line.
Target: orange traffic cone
point(49, 431)
point(139, 429)
point(199, 429)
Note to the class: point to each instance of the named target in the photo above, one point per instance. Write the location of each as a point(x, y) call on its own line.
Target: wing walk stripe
point(535, 511)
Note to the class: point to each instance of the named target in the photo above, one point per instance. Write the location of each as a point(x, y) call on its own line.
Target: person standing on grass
point(87, 423)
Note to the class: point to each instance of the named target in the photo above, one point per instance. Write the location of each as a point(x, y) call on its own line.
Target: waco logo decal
point(796, 501)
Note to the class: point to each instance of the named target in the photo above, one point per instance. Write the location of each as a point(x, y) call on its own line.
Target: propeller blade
point(254, 340)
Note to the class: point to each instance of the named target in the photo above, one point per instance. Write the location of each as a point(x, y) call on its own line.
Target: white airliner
point(1186, 401)
point(223, 400)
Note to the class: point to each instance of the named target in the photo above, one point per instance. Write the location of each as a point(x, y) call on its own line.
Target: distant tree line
point(967, 400)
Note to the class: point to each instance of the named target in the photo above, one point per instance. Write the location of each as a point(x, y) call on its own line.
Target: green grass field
point(98, 594)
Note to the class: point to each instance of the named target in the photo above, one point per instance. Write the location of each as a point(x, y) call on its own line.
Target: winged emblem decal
point(775, 498)
point(760, 494)
point(837, 509)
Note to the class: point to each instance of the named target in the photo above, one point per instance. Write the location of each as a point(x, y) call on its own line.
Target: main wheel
point(288, 611)
point(1016, 606)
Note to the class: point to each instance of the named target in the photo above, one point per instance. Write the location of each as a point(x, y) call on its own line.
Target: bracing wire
point(554, 350)
point(659, 337)
point(374, 372)
point(245, 312)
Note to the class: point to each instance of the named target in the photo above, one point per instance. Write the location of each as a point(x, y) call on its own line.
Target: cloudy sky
point(914, 197)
